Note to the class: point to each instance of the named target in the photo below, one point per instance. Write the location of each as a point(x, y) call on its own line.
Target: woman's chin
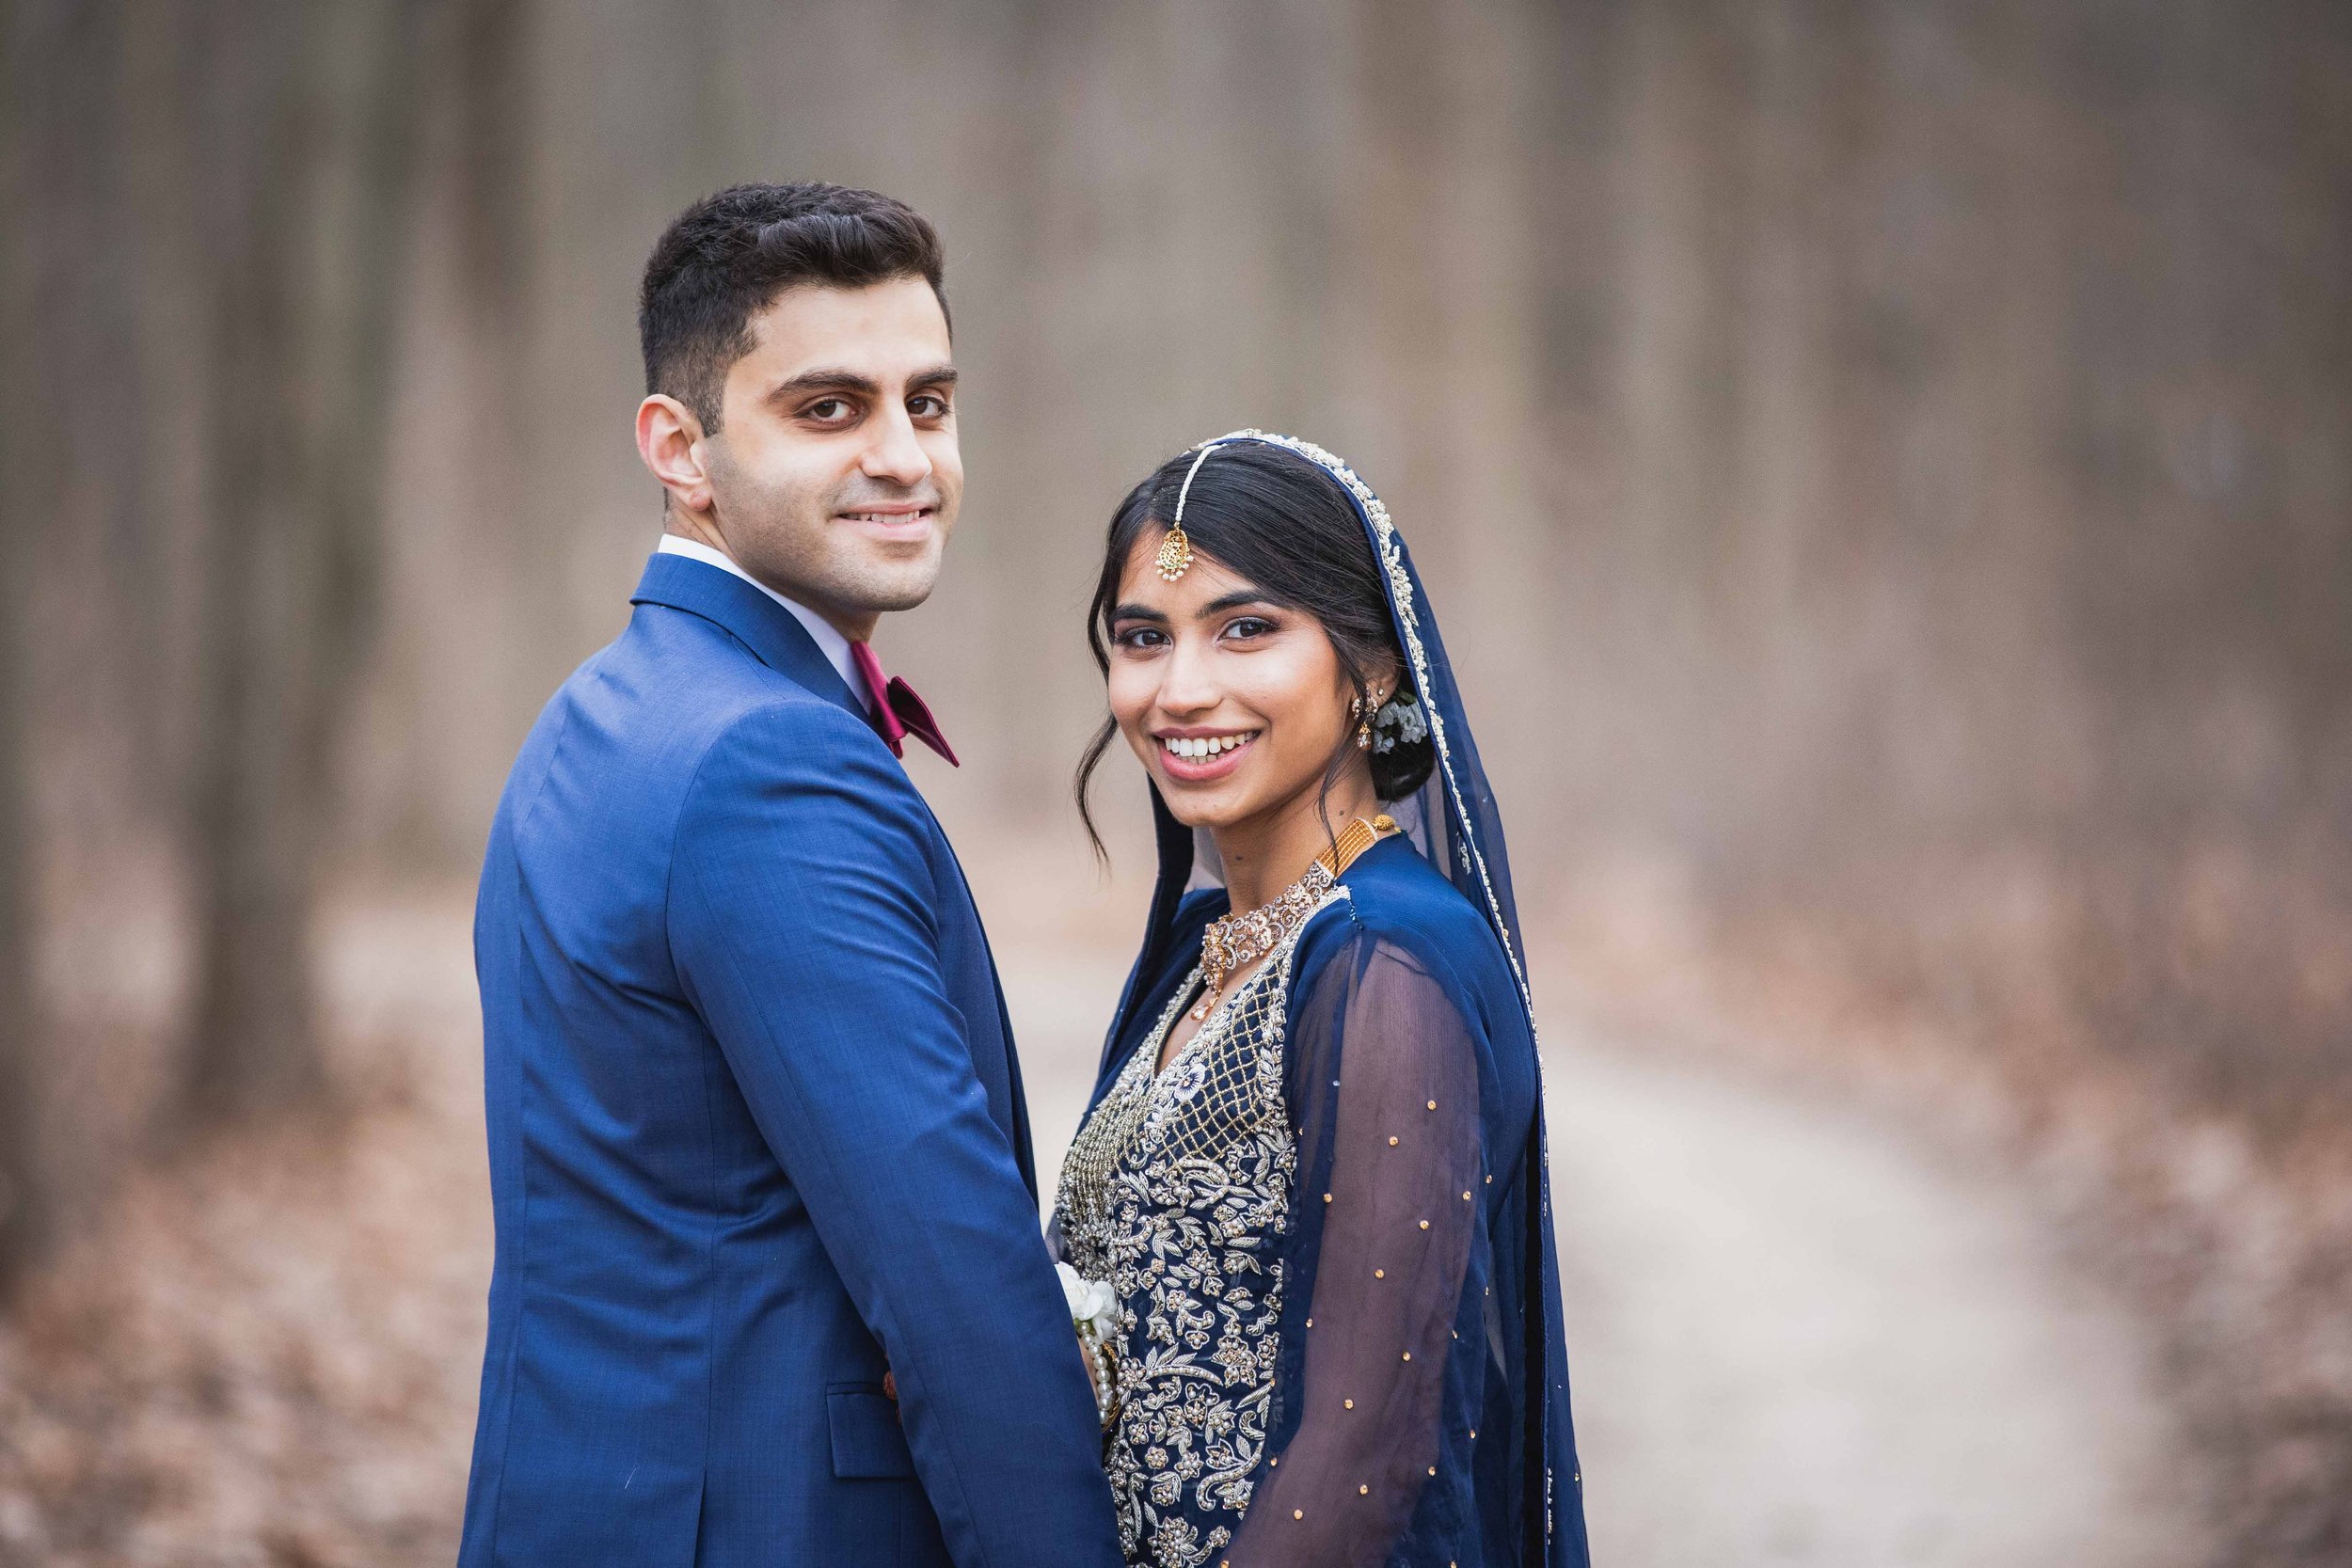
point(1204, 804)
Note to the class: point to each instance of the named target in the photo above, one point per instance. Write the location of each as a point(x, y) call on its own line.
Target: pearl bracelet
point(1106, 1375)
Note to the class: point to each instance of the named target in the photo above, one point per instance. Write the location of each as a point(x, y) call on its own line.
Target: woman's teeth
point(1205, 746)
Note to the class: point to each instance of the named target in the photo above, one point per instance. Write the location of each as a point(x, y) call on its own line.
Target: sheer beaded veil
point(1522, 1484)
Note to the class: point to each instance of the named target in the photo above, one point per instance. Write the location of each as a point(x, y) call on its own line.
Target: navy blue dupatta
point(1455, 825)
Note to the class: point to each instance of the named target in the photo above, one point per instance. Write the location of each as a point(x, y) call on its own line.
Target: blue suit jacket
point(757, 1133)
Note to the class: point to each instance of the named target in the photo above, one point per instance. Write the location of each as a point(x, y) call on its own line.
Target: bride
point(1308, 1199)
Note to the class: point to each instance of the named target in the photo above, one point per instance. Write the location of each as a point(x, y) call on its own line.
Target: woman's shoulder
point(1397, 900)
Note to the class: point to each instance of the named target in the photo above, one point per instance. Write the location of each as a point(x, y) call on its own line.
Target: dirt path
point(1798, 1339)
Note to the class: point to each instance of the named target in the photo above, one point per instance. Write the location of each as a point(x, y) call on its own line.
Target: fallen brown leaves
point(266, 1355)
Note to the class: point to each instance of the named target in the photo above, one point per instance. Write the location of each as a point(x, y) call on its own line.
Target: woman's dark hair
point(1282, 523)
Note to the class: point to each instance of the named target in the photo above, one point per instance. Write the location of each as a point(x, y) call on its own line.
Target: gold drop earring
point(1361, 712)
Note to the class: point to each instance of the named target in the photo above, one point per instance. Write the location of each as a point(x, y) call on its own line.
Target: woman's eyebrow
point(1139, 612)
point(1234, 600)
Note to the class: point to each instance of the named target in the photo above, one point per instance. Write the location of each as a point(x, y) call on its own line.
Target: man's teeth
point(1205, 746)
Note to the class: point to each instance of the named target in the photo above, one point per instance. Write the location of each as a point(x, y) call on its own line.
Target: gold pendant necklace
point(1241, 940)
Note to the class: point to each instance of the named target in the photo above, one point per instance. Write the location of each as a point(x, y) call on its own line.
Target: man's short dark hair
point(729, 255)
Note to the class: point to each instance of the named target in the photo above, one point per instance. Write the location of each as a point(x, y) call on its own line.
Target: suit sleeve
point(804, 924)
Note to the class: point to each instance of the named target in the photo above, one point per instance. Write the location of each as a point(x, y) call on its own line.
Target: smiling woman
point(1311, 1175)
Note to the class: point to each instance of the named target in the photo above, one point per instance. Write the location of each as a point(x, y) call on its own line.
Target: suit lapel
point(751, 617)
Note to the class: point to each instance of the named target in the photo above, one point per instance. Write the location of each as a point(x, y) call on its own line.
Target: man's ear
point(670, 439)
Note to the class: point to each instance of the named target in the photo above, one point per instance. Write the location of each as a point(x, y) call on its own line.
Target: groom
point(758, 1140)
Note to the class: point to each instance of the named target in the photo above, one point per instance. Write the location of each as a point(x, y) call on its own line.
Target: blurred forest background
point(1886, 466)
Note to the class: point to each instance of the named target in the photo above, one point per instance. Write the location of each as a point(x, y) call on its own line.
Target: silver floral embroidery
point(1177, 1191)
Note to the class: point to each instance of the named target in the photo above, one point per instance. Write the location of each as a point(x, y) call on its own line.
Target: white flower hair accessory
point(1399, 722)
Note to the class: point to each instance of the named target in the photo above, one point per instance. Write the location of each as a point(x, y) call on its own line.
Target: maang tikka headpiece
point(1176, 549)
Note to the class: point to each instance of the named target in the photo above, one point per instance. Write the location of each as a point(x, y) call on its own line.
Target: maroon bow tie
point(896, 711)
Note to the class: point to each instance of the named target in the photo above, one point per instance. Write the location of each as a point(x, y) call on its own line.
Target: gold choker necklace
point(1239, 939)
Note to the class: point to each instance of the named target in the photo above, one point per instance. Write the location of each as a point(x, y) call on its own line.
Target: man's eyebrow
point(827, 378)
point(824, 379)
point(1138, 612)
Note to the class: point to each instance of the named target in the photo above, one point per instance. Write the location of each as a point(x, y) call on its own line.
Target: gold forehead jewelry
point(1176, 549)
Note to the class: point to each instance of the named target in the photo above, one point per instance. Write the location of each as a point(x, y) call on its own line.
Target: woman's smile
point(1196, 756)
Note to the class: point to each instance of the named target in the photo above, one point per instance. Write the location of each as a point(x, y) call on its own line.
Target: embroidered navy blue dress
point(1326, 1219)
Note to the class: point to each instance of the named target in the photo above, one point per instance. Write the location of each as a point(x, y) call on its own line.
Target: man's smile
point(907, 520)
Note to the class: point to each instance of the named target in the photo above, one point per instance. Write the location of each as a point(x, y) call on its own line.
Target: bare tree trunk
point(23, 1212)
point(24, 1193)
point(307, 278)
point(69, 472)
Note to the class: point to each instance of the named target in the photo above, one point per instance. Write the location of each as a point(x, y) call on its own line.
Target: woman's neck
point(1269, 852)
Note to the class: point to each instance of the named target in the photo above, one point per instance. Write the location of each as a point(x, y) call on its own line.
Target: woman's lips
point(1224, 755)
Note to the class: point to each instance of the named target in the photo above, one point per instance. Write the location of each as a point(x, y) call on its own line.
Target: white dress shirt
point(834, 646)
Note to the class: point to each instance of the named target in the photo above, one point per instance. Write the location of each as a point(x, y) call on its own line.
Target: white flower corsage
point(1092, 1303)
point(1094, 1313)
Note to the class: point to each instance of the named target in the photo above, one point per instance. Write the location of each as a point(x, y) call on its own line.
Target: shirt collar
point(827, 636)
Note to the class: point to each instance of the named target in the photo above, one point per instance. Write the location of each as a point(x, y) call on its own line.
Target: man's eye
point(927, 405)
point(828, 409)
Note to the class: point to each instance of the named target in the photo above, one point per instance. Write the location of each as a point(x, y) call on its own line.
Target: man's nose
point(896, 454)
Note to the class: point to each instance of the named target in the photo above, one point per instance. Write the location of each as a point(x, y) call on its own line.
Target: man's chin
point(891, 603)
point(887, 591)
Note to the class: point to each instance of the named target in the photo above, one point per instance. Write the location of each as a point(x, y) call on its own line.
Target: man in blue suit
point(769, 1285)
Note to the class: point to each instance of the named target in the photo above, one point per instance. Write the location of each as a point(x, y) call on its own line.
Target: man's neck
point(858, 626)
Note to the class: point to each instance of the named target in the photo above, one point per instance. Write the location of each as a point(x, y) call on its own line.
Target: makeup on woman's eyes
point(1138, 636)
point(1144, 636)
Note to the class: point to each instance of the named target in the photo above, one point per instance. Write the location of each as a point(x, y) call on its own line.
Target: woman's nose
point(1185, 686)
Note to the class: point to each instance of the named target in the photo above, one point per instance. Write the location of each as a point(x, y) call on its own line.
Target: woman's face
point(1235, 704)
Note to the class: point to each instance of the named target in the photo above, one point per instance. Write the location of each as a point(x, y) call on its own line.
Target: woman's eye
point(1140, 637)
point(1245, 626)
